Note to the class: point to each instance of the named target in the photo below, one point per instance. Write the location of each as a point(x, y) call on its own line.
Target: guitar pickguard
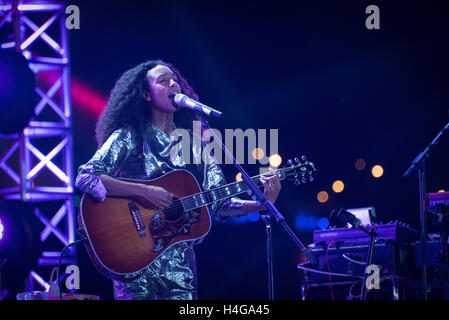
point(163, 231)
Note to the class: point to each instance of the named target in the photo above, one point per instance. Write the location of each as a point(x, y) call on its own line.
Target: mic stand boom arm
point(272, 210)
point(419, 164)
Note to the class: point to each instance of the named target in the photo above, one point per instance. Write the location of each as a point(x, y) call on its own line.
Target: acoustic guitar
point(124, 237)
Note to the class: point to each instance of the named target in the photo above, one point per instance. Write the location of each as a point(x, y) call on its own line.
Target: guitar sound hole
point(175, 211)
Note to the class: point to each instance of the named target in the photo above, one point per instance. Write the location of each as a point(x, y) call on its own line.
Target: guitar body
point(124, 237)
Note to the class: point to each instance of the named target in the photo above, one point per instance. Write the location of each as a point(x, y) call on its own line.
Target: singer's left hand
point(272, 186)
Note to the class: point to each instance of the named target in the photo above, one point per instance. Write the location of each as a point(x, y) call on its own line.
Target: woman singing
point(133, 136)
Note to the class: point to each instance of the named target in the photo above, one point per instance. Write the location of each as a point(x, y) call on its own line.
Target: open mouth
point(171, 96)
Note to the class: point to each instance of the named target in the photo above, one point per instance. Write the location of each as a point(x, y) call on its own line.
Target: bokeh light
point(254, 216)
point(238, 177)
point(377, 171)
point(322, 196)
point(275, 160)
point(323, 223)
point(258, 153)
point(442, 190)
point(305, 221)
point(360, 164)
point(338, 186)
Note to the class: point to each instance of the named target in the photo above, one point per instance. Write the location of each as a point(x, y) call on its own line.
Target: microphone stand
point(372, 234)
point(267, 219)
point(347, 217)
point(419, 164)
point(272, 210)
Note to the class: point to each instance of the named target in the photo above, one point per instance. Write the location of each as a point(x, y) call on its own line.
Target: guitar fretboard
point(220, 193)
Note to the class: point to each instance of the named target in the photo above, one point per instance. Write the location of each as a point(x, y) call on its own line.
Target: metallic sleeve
point(230, 208)
point(213, 177)
point(106, 160)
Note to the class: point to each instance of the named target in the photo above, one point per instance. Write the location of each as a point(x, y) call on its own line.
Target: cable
point(300, 266)
point(60, 259)
point(354, 296)
point(352, 260)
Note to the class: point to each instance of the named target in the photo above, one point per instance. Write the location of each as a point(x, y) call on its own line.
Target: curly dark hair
point(127, 108)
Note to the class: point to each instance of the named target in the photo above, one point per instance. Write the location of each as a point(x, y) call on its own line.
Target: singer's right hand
point(154, 197)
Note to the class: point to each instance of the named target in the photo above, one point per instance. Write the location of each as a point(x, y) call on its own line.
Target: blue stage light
point(239, 220)
point(323, 223)
point(254, 216)
point(305, 222)
point(251, 217)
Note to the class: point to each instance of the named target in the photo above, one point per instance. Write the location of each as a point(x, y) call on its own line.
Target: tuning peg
point(289, 162)
point(304, 158)
point(310, 178)
point(297, 182)
point(304, 180)
point(296, 160)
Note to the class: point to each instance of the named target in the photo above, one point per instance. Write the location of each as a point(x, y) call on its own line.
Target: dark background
point(335, 90)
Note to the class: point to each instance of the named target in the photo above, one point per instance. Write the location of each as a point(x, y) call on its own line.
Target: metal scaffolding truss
point(37, 165)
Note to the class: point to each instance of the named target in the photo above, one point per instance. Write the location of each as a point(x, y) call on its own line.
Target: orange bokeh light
point(338, 186)
point(275, 160)
point(377, 171)
point(258, 153)
point(322, 196)
point(238, 177)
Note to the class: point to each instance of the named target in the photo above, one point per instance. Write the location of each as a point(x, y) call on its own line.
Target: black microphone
point(184, 101)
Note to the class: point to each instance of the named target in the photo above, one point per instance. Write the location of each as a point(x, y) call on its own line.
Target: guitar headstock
point(298, 170)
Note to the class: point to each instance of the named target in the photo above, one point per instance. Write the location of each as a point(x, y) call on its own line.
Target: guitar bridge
point(137, 218)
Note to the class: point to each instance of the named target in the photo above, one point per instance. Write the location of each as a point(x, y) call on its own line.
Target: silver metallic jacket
point(173, 274)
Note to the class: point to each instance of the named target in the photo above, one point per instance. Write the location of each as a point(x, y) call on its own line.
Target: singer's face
point(163, 85)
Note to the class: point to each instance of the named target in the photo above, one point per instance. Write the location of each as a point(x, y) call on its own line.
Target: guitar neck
point(211, 196)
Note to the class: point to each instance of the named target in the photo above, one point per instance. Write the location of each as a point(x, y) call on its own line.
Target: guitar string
point(222, 189)
point(173, 210)
point(221, 192)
